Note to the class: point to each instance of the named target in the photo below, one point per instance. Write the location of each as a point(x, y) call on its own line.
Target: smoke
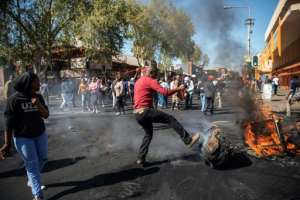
point(215, 27)
point(166, 144)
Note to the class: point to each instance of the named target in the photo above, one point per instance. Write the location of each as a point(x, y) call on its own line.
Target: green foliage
point(33, 28)
point(102, 27)
point(30, 30)
point(161, 30)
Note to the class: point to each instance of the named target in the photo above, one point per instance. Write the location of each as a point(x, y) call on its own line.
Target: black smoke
point(216, 27)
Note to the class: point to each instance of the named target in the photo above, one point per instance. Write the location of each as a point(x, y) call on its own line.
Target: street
point(91, 157)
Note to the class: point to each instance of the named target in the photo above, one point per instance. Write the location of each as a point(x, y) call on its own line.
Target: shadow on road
point(154, 163)
point(236, 161)
point(102, 180)
point(50, 166)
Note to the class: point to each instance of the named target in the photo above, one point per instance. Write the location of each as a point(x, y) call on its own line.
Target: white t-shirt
point(276, 81)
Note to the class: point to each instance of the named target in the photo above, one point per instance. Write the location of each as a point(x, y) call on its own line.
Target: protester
point(146, 115)
point(160, 96)
point(220, 85)
point(24, 124)
point(294, 94)
point(267, 89)
point(275, 84)
point(162, 99)
point(126, 90)
point(102, 91)
point(113, 92)
point(209, 91)
point(82, 90)
point(119, 89)
point(165, 85)
point(189, 84)
point(94, 91)
point(66, 92)
point(200, 87)
point(259, 84)
point(8, 87)
point(131, 89)
point(74, 83)
point(44, 89)
point(175, 84)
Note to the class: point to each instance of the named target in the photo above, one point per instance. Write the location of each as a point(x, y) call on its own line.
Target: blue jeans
point(203, 100)
point(34, 154)
point(83, 101)
point(161, 100)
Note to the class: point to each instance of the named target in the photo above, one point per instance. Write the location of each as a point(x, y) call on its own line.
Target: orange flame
point(265, 141)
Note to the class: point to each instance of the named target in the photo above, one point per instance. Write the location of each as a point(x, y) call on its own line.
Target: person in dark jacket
point(24, 123)
point(209, 91)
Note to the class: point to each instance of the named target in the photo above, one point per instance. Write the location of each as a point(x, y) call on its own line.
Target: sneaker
point(195, 138)
point(140, 162)
point(43, 187)
point(118, 113)
point(37, 198)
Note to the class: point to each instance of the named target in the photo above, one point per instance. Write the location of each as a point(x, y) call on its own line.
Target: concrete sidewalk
point(278, 105)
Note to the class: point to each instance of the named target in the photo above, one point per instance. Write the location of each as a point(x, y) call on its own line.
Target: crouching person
point(24, 120)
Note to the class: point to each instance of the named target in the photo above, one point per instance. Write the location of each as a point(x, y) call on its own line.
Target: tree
point(158, 29)
point(35, 27)
point(103, 27)
point(205, 60)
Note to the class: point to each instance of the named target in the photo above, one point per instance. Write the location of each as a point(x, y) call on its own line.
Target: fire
point(263, 137)
point(263, 144)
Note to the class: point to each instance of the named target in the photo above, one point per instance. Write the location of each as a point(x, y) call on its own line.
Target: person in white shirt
point(119, 89)
point(189, 90)
point(275, 83)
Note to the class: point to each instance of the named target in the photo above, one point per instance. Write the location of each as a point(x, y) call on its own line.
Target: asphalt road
point(91, 157)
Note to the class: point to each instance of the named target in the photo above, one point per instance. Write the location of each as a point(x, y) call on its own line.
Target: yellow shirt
point(83, 88)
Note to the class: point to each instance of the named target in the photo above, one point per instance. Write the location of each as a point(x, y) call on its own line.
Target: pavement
point(277, 104)
point(91, 157)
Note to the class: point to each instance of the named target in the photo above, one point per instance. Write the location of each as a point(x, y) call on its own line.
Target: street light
point(249, 23)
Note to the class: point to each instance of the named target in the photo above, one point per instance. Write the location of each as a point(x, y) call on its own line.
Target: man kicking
point(145, 115)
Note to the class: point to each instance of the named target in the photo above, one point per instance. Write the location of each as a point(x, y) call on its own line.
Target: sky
point(222, 34)
point(261, 11)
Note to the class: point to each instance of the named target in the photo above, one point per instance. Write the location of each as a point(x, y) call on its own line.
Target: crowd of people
point(95, 93)
point(27, 106)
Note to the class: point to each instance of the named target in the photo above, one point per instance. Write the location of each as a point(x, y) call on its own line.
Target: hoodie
point(21, 117)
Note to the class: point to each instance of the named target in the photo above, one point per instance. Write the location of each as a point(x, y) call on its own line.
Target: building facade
point(281, 55)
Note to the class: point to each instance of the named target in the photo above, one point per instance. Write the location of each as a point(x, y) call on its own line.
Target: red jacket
point(144, 89)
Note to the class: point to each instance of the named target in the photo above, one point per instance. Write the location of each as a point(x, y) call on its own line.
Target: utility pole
point(249, 23)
